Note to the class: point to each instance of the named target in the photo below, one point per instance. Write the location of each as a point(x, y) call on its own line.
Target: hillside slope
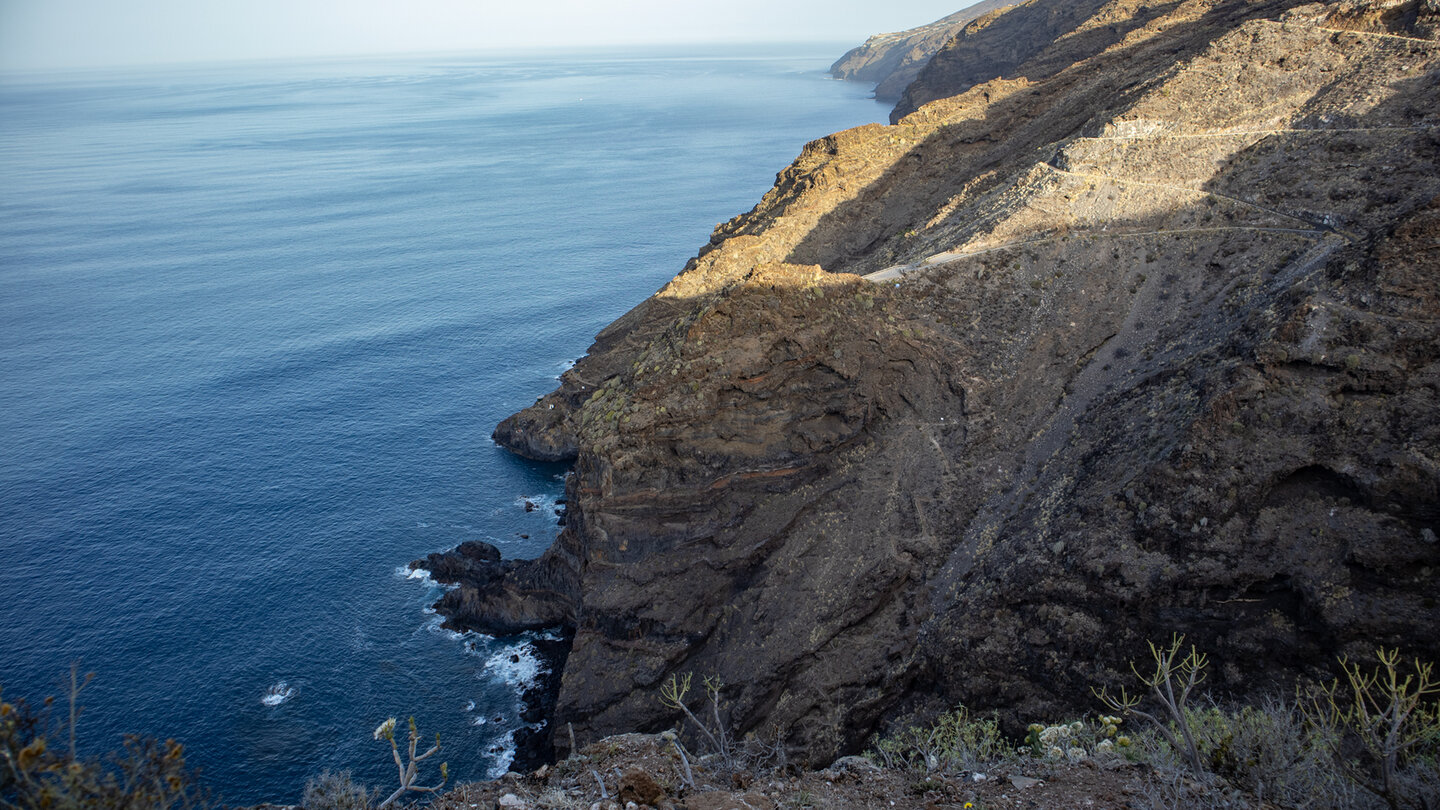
point(892, 61)
point(1141, 337)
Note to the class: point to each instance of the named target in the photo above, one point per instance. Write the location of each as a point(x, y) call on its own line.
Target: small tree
point(1393, 718)
point(673, 693)
point(1171, 683)
point(410, 771)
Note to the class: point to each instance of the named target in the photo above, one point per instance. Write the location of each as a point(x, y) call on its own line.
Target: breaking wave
point(277, 694)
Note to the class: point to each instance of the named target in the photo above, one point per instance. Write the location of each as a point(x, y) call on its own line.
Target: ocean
point(257, 322)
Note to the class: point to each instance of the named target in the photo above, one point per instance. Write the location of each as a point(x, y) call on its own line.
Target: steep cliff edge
point(892, 61)
point(1140, 337)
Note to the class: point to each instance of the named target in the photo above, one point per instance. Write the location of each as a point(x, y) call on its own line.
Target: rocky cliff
point(1139, 335)
point(892, 61)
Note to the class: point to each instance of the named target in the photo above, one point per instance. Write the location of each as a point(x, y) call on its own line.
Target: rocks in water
point(496, 597)
point(478, 551)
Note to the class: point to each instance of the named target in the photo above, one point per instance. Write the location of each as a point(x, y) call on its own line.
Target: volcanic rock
point(1138, 335)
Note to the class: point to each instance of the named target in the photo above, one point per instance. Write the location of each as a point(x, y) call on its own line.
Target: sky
point(50, 34)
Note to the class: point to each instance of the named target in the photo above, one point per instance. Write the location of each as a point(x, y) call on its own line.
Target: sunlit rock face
point(891, 61)
point(1137, 336)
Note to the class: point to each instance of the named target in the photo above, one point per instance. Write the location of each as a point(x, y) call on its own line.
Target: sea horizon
point(258, 323)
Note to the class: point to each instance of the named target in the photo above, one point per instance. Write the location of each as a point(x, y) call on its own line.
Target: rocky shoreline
point(1133, 332)
point(475, 566)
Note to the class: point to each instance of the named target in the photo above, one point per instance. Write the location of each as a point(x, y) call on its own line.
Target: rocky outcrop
point(1140, 337)
point(503, 597)
point(892, 61)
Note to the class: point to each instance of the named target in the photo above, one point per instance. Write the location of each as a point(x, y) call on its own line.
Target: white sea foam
point(542, 504)
point(516, 665)
point(277, 694)
point(434, 625)
point(469, 705)
point(423, 577)
point(504, 751)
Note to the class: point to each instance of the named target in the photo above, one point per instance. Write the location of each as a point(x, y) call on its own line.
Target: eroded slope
point(1147, 343)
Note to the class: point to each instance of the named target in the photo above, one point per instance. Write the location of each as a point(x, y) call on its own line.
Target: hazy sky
point(78, 33)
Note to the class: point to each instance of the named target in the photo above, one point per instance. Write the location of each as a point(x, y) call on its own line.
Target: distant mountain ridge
point(892, 61)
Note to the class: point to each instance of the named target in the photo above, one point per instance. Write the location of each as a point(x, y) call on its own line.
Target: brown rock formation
point(1149, 343)
point(892, 61)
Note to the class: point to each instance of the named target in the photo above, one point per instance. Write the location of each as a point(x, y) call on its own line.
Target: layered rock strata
point(1141, 336)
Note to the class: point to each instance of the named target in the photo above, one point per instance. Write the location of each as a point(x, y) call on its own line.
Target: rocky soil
point(1138, 335)
point(639, 770)
point(892, 61)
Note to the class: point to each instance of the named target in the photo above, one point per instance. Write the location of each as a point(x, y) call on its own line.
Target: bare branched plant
point(687, 774)
point(1394, 719)
point(409, 772)
point(1171, 684)
point(77, 685)
point(673, 694)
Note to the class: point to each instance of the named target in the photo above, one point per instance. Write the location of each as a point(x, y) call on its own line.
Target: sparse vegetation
point(409, 770)
point(1382, 729)
point(958, 741)
point(752, 753)
point(40, 766)
point(335, 791)
point(1369, 739)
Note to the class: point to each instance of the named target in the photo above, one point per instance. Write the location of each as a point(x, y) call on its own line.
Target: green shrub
point(1078, 740)
point(1270, 751)
point(958, 741)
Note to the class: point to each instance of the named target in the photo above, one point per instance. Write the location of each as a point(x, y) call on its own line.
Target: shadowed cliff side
point(1147, 343)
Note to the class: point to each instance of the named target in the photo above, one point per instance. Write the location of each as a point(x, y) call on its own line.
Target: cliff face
point(1140, 337)
point(892, 61)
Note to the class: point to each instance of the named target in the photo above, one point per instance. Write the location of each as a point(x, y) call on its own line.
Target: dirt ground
point(646, 771)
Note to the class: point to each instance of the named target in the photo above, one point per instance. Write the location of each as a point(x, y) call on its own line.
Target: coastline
point(962, 435)
point(535, 742)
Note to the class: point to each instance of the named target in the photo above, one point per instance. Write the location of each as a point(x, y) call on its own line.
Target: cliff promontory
point(1128, 329)
point(892, 61)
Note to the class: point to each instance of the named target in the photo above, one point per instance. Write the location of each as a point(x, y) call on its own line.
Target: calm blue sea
point(256, 325)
